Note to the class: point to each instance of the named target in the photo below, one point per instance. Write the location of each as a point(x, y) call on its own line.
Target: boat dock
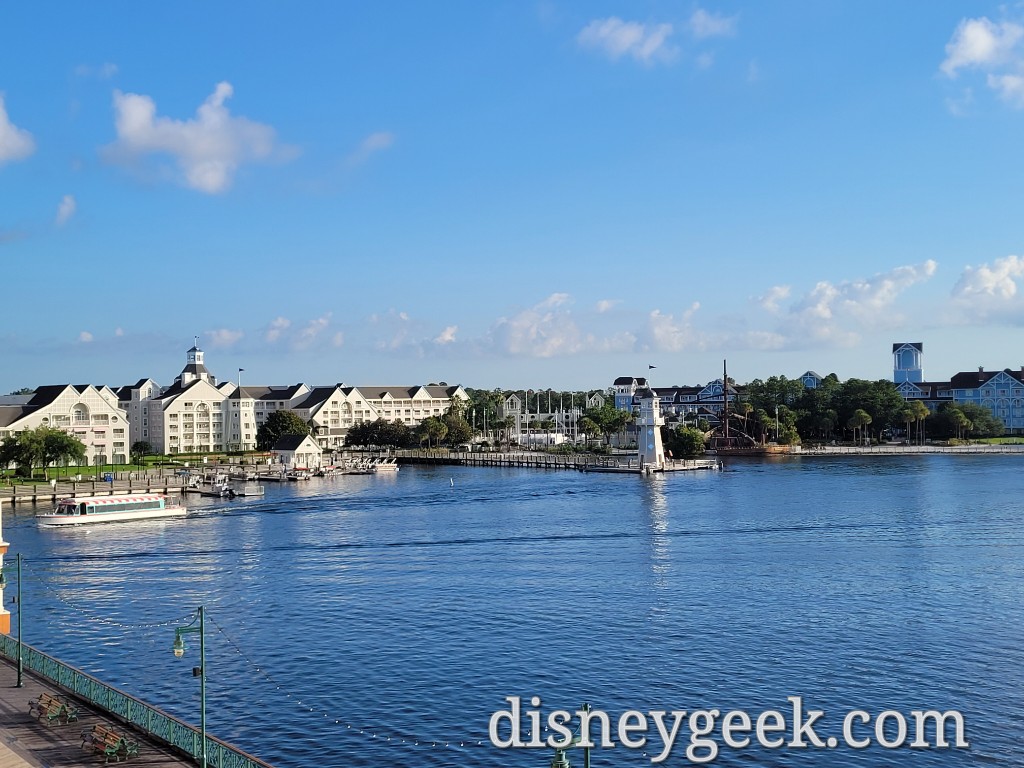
point(577, 461)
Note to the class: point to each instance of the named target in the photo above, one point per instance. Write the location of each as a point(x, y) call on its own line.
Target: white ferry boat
point(109, 509)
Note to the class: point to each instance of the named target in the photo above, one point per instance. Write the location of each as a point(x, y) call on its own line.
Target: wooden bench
point(53, 708)
point(113, 745)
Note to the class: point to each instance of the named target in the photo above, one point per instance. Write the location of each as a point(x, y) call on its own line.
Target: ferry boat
point(109, 509)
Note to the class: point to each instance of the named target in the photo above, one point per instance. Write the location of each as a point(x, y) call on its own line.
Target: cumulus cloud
point(277, 327)
point(993, 48)
point(605, 305)
point(998, 281)
point(208, 149)
point(447, 336)
point(981, 43)
point(309, 334)
point(616, 38)
point(770, 301)
point(338, 340)
point(1009, 87)
point(704, 24)
point(15, 143)
point(546, 329)
point(836, 312)
point(66, 210)
point(85, 337)
point(666, 333)
point(371, 145)
point(224, 337)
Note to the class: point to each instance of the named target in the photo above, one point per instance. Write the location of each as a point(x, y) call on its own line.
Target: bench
point(113, 745)
point(53, 708)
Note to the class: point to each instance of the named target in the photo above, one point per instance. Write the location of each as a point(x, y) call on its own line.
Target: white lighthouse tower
point(648, 426)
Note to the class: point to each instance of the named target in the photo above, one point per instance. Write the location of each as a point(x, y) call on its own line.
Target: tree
point(589, 427)
point(381, 433)
point(431, 429)
point(278, 424)
point(683, 442)
point(41, 446)
point(23, 391)
point(139, 449)
point(921, 413)
point(857, 422)
point(457, 429)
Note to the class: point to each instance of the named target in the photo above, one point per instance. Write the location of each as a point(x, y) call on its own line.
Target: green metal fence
point(159, 725)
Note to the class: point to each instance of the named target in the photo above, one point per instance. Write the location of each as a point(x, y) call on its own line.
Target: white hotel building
point(198, 414)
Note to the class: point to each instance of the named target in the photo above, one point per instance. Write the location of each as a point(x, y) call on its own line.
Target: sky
point(508, 194)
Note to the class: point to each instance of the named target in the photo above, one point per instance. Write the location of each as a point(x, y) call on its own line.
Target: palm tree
point(858, 421)
point(921, 413)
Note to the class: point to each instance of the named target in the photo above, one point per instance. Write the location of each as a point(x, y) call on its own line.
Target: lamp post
point(3, 585)
point(198, 626)
point(776, 423)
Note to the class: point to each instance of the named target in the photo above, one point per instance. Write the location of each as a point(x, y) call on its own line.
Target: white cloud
point(617, 38)
point(372, 144)
point(981, 43)
point(1009, 87)
point(998, 281)
point(15, 143)
point(85, 337)
point(665, 333)
point(543, 330)
point(66, 210)
point(606, 304)
point(277, 326)
point(338, 340)
point(224, 337)
point(310, 333)
point(705, 61)
point(103, 71)
point(836, 313)
point(770, 301)
point(996, 50)
point(208, 149)
point(119, 332)
point(447, 336)
point(704, 24)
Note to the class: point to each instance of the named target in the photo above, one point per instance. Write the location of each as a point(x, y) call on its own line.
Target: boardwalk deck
point(27, 743)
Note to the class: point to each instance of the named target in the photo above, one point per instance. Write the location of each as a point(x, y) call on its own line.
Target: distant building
point(196, 414)
point(298, 452)
point(907, 362)
point(1001, 393)
point(88, 412)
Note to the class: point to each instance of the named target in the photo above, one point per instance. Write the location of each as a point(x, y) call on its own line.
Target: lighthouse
point(648, 429)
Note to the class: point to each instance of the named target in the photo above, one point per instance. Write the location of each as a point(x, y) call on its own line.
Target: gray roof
point(11, 413)
point(289, 442)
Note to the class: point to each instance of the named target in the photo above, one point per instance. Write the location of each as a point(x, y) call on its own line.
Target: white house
point(297, 452)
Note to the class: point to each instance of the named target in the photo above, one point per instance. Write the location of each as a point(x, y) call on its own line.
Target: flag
point(651, 367)
point(241, 370)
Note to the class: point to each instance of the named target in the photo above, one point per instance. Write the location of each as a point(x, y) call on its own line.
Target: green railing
point(157, 724)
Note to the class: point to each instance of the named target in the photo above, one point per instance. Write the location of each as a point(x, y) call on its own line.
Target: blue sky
point(508, 194)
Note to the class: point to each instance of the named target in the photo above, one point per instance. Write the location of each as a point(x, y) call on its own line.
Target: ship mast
point(725, 400)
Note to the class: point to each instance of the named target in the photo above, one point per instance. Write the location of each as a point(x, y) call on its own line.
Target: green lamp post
point(196, 626)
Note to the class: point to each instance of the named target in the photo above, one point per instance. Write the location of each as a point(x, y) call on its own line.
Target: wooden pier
point(121, 484)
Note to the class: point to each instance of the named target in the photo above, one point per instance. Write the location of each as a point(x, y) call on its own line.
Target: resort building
point(196, 414)
point(90, 413)
point(1001, 393)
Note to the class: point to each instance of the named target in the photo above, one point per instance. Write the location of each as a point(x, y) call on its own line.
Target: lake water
point(409, 606)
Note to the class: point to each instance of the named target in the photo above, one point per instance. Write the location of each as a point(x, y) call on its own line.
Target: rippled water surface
point(408, 607)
